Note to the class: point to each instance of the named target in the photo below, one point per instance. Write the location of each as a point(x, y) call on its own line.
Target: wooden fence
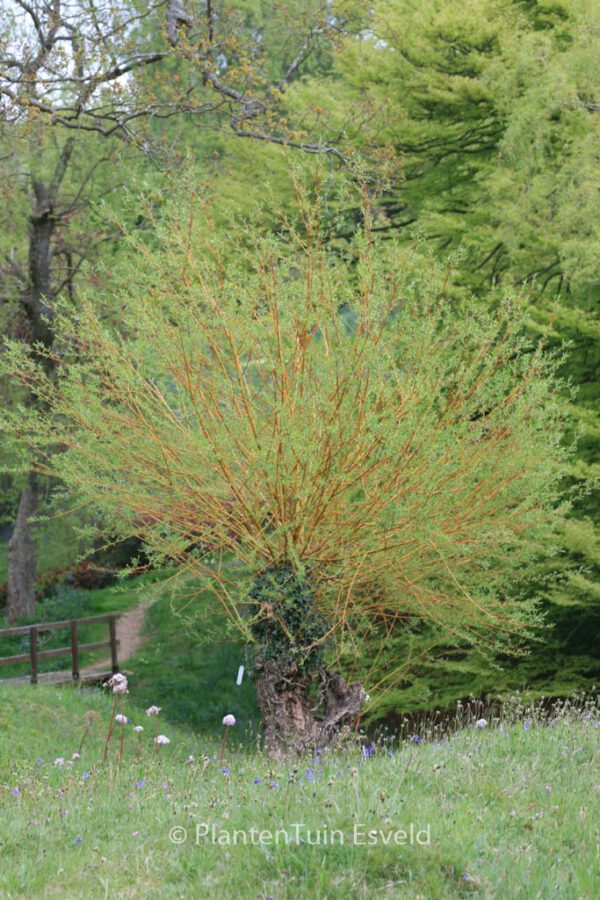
point(74, 648)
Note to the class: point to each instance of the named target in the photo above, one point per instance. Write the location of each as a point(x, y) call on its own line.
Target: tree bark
point(36, 302)
point(294, 722)
point(37, 297)
point(22, 556)
point(304, 706)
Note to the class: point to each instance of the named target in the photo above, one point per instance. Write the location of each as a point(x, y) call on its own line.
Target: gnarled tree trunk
point(295, 722)
point(303, 704)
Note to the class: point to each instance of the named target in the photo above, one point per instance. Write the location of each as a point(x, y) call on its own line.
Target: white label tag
point(240, 675)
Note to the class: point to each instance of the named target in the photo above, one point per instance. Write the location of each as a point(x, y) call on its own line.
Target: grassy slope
point(511, 814)
point(193, 674)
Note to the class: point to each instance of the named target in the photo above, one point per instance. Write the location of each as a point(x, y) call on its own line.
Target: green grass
point(510, 814)
point(192, 672)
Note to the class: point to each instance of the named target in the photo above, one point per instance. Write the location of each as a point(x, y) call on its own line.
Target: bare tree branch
point(86, 72)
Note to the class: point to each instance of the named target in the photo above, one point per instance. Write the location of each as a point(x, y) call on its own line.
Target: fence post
point(74, 651)
point(112, 627)
point(33, 652)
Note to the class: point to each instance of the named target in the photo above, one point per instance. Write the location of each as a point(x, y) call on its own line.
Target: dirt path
point(129, 634)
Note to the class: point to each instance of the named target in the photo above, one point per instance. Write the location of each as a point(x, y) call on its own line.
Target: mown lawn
point(502, 813)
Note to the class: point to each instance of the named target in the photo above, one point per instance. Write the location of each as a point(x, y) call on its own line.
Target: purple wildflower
point(310, 774)
point(256, 781)
point(141, 783)
point(15, 792)
point(78, 840)
point(226, 771)
point(370, 750)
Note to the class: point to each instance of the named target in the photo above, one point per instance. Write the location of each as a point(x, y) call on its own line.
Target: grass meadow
point(508, 810)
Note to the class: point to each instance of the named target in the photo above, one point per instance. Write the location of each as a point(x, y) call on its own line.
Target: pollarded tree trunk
point(22, 556)
point(295, 721)
point(303, 704)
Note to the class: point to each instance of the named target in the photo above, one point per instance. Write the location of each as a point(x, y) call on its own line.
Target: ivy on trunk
point(303, 704)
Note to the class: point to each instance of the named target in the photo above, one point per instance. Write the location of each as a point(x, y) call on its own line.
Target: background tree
point(370, 455)
point(80, 89)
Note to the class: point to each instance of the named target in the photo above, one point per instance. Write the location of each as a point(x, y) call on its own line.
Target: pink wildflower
point(118, 683)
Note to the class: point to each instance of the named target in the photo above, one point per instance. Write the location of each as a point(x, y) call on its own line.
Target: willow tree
point(365, 453)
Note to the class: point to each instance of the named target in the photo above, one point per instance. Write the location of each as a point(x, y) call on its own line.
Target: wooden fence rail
point(74, 648)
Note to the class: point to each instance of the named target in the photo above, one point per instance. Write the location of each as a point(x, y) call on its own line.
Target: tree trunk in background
point(36, 302)
point(22, 556)
point(37, 297)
